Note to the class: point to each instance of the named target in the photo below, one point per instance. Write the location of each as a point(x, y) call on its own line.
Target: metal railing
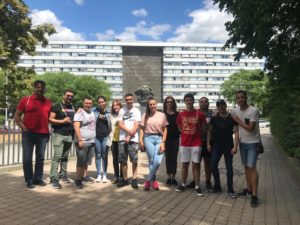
point(11, 152)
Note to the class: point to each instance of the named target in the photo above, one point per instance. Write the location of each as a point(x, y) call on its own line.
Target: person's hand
point(132, 132)
point(79, 110)
point(80, 144)
point(127, 139)
point(208, 147)
point(162, 148)
point(142, 145)
point(67, 120)
point(233, 150)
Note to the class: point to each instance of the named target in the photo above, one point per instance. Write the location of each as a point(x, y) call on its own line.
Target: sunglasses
point(169, 102)
point(70, 96)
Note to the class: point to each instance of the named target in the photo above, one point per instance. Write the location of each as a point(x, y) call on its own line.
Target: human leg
point(58, 145)
point(41, 141)
point(216, 156)
point(27, 145)
point(229, 169)
point(98, 151)
point(68, 141)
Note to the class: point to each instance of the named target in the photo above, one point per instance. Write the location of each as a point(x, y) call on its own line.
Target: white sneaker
point(104, 179)
point(98, 180)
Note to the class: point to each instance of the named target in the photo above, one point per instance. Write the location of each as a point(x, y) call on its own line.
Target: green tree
point(254, 82)
point(17, 35)
point(57, 83)
point(271, 29)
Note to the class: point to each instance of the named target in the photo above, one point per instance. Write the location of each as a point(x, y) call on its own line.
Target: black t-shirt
point(223, 130)
point(102, 127)
point(173, 132)
point(62, 111)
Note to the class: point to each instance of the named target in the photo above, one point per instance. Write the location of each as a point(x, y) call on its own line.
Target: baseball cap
point(221, 102)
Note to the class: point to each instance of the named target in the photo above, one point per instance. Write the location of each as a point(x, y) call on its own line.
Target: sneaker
point(147, 185)
point(122, 183)
point(99, 179)
point(30, 184)
point(78, 184)
point(209, 187)
point(115, 181)
point(199, 192)
point(232, 194)
point(134, 184)
point(104, 179)
point(155, 185)
point(180, 188)
point(65, 179)
point(244, 193)
point(217, 190)
point(87, 179)
point(40, 182)
point(254, 201)
point(55, 184)
point(174, 182)
point(169, 181)
point(191, 184)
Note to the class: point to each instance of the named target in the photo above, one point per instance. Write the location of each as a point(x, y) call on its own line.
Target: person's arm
point(162, 146)
point(236, 139)
point(249, 127)
point(76, 126)
point(142, 138)
point(55, 121)
point(209, 133)
point(19, 120)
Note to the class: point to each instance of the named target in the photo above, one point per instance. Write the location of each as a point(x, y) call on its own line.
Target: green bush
point(2, 120)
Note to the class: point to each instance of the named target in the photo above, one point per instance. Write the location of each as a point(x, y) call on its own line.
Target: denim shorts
point(128, 149)
point(248, 154)
point(85, 155)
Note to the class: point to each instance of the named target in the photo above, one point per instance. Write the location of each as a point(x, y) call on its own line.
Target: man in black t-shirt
point(61, 118)
point(221, 128)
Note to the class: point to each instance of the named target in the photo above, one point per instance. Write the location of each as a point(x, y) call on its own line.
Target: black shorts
point(128, 149)
point(204, 152)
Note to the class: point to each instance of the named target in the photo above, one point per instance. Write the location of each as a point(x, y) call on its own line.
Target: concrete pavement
point(98, 203)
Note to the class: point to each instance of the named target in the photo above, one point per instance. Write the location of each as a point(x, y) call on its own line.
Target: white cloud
point(79, 2)
point(140, 12)
point(207, 26)
point(62, 33)
point(132, 33)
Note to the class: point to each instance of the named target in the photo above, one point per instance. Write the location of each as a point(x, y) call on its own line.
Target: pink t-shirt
point(155, 124)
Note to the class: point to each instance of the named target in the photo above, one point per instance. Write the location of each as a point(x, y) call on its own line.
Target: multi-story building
point(168, 68)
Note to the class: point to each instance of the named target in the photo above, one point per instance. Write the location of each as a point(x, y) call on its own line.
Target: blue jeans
point(248, 154)
point(29, 141)
point(101, 154)
point(152, 143)
point(217, 152)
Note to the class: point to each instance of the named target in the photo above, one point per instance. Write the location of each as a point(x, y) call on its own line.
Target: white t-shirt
point(128, 118)
point(250, 114)
point(87, 126)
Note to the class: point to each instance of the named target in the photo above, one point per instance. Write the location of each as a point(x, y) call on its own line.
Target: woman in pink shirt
point(153, 134)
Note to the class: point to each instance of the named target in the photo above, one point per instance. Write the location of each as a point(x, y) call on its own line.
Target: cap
point(221, 102)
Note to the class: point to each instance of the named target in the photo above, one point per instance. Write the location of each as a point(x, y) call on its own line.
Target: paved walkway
point(99, 203)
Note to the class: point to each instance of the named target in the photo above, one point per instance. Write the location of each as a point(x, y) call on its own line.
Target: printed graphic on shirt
point(189, 124)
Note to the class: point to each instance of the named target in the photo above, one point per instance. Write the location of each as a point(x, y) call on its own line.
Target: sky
point(196, 21)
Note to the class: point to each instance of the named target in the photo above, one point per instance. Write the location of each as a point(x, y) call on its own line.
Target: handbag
point(260, 148)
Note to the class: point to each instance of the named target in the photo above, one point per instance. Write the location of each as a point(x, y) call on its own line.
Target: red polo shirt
point(36, 113)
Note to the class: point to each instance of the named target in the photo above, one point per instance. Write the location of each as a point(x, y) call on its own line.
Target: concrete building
point(168, 68)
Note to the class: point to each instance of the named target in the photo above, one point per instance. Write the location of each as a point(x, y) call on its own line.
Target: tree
point(17, 35)
point(271, 29)
point(83, 86)
point(254, 82)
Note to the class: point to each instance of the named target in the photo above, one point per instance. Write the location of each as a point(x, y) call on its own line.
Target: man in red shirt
point(35, 132)
point(191, 123)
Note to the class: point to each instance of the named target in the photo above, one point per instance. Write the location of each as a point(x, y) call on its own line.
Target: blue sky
point(144, 20)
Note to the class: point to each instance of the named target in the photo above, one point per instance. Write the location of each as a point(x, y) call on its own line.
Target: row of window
point(198, 93)
point(194, 48)
point(195, 78)
point(239, 64)
point(88, 62)
point(191, 86)
point(186, 71)
point(100, 70)
point(79, 46)
point(200, 56)
point(80, 54)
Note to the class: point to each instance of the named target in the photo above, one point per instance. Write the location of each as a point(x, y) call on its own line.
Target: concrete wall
point(142, 66)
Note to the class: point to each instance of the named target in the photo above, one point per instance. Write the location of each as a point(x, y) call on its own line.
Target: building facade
point(168, 68)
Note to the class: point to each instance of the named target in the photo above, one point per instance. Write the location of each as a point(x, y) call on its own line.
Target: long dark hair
point(174, 105)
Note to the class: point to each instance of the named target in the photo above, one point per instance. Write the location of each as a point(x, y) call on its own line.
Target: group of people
point(195, 133)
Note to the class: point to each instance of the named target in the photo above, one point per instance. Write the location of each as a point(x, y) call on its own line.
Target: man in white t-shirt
point(85, 133)
point(129, 119)
point(247, 117)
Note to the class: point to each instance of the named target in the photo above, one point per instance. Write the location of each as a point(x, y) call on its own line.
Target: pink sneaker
point(147, 185)
point(155, 185)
